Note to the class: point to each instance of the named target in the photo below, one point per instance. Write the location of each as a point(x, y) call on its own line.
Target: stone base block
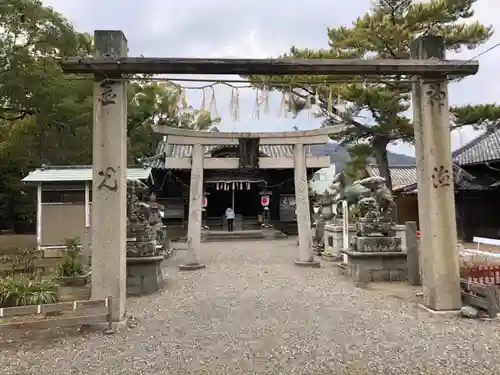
point(366, 267)
point(367, 226)
point(377, 244)
point(115, 326)
point(73, 293)
point(76, 281)
point(311, 264)
point(401, 233)
point(144, 275)
point(318, 250)
point(330, 257)
point(138, 249)
point(440, 312)
point(191, 267)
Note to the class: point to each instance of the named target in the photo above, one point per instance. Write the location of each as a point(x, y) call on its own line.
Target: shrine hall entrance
point(245, 202)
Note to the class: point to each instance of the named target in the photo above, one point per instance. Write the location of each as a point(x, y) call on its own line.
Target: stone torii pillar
point(195, 207)
point(436, 206)
point(306, 257)
point(109, 180)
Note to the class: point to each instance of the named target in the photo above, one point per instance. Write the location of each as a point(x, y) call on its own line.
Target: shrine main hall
point(234, 170)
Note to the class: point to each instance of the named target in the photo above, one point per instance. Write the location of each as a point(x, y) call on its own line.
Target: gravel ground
point(252, 311)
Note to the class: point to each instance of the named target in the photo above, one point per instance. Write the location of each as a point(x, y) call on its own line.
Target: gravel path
point(252, 311)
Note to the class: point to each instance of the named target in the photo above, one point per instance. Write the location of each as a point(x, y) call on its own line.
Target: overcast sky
point(258, 28)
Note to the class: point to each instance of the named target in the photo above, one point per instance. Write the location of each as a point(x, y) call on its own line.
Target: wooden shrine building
point(238, 169)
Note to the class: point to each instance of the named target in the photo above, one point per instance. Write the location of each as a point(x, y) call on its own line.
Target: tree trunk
point(380, 147)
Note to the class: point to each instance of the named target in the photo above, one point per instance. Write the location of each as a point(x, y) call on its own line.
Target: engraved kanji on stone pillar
point(109, 179)
point(440, 272)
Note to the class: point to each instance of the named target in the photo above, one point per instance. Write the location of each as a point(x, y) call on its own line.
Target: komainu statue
point(140, 241)
point(376, 211)
point(156, 213)
point(383, 196)
point(325, 201)
point(350, 193)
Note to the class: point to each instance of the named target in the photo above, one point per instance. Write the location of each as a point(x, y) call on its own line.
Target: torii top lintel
point(107, 61)
point(189, 137)
point(340, 67)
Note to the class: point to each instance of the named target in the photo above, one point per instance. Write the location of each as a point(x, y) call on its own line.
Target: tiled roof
point(78, 173)
point(405, 178)
point(485, 148)
point(184, 151)
point(400, 175)
point(462, 184)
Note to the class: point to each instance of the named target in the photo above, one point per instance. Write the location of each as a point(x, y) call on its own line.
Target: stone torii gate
point(249, 144)
point(111, 66)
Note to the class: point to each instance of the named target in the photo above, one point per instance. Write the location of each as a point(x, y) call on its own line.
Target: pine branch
point(477, 116)
point(21, 113)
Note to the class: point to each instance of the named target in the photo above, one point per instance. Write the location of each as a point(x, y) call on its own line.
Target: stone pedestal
point(401, 233)
point(136, 249)
point(334, 241)
point(333, 238)
point(376, 244)
point(366, 267)
point(144, 275)
point(375, 253)
point(318, 229)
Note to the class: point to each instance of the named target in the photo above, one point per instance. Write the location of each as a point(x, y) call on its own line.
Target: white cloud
point(259, 28)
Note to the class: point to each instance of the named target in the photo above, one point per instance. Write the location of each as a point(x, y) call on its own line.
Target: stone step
point(241, 235)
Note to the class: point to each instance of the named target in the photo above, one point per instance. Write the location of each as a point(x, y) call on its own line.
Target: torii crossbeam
point(354, 67)
point(432, 137)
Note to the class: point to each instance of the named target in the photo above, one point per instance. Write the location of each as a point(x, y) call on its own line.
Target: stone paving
point(252, 311)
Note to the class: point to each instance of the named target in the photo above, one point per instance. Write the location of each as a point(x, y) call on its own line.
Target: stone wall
point(373, 267)
point(44, 261)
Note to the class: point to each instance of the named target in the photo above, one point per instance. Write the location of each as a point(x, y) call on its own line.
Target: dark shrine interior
point(172, 189)
point(246, 202)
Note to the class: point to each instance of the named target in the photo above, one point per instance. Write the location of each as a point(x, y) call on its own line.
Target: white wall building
point(322, 179)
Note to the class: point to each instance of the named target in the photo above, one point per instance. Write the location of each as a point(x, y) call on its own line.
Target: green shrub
point(22, 291)
point(20, 261)
point(71, 265)
point(69, 268)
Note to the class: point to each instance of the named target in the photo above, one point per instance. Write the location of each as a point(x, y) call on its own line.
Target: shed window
point(63, 196)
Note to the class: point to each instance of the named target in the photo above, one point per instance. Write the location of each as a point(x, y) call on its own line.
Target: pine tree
point(374, 112)
point(355, 168)
point(479, 116)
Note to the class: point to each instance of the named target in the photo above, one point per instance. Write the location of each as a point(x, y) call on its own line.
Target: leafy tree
point(158, 103)
point(374, 113)
point(32, 37)
point(46, 115)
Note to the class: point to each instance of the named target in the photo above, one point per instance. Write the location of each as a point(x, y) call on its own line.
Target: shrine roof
point(482, 149)
point(184, 151)
point(75, 173)
point(404, 178)
point(401, 176)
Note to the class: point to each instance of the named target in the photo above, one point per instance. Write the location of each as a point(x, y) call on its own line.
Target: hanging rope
point(291, 93)
point(241, 184)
